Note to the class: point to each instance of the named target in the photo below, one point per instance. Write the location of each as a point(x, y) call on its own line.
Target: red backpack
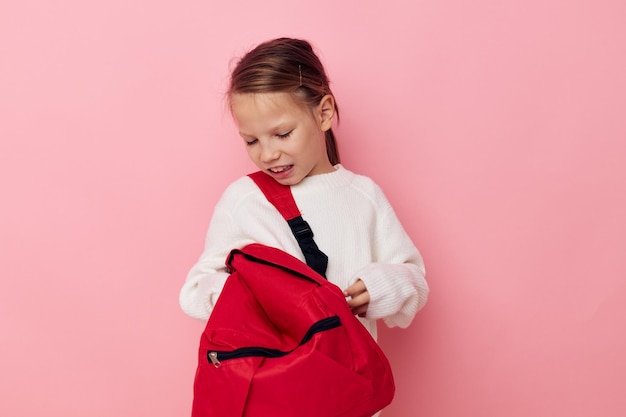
point(282, 341)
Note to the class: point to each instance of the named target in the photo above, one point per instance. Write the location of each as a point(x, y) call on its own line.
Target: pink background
point(496, 128)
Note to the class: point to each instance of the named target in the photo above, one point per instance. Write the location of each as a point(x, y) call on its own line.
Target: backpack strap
point(280, 196)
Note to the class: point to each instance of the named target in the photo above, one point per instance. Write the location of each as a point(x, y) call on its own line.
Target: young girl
point(281, 101)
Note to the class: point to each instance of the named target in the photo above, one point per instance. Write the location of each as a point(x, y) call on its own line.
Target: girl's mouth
point(278, 170)
point(281, 173)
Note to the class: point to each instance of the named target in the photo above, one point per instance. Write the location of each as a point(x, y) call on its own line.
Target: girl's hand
point(358, 298)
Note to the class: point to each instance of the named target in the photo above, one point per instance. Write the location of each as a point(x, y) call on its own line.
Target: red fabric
point(278, 194)
point(340, 372)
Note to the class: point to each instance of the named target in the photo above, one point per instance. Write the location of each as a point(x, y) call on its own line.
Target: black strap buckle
point(300, 228)
point(314, 257)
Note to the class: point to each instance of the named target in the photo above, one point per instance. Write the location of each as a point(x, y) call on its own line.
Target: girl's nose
point(269, 153)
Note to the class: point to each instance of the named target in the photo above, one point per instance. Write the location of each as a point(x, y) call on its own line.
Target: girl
point(281, 101)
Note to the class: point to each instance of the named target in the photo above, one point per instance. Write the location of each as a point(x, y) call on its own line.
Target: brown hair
point(286, 65)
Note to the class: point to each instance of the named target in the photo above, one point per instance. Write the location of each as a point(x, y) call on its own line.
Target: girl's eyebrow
point(244, 135)
point(285, 123)
point(282, 127)
point(279, 127)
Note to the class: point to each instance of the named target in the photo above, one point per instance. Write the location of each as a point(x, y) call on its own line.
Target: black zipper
point(216, 357)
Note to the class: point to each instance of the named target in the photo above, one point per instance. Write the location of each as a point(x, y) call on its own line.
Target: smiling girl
point(282, 103)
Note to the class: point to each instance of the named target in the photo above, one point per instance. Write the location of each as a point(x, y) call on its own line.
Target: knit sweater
point(353, 223)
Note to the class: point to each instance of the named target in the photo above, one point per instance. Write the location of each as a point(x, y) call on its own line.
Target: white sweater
point(353, 223)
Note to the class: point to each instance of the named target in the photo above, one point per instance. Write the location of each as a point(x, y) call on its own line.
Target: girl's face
point(283, 137)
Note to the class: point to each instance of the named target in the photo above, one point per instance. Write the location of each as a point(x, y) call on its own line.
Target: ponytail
point(331, 148)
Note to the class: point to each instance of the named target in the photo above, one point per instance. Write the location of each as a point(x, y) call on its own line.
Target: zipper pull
point(214, 360)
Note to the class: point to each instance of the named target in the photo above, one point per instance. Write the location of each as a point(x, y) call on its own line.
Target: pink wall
point(496, 128)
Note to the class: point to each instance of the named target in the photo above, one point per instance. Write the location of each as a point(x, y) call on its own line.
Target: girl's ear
point(326, 112)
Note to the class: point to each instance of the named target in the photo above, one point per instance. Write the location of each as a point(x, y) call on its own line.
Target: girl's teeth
point(277, 170)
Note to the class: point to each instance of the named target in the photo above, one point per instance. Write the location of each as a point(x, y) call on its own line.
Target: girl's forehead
point(273, 101)
point(262, 113)
point(250, 106)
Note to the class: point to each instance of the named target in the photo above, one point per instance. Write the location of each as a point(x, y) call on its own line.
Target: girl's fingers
point(358, 298)
point(355, 289)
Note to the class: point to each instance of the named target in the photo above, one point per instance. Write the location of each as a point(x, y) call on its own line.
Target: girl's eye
point(285, 135)
point(251, 142)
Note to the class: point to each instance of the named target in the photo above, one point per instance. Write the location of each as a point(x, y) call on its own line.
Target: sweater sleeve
point(207, 277)
point(396, 279)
